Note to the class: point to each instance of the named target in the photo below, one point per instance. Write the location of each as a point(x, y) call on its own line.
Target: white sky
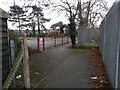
point(4, 4)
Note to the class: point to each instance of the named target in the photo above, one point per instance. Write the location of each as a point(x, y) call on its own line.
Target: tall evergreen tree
point(36, 17)
point(16, 14)
point(37, 13)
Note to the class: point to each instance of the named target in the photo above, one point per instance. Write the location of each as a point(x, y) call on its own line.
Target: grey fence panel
point(111, 46)
point(119, 48)
point(102, 36)
point(83, 35)
point(87, 34)
point(0, 52)
point(0, 58)
point(109, 43)
point(49, 42)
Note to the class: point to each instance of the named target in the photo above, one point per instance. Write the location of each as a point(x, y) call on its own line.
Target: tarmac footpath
point(61, 67)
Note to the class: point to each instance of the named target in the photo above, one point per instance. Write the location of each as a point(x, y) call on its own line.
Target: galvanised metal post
point(119, 47)
point(117, 82)
point(104, 39)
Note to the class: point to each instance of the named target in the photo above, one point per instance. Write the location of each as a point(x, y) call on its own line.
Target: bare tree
point(69, 8)
point(86, 13)
point(90, 12)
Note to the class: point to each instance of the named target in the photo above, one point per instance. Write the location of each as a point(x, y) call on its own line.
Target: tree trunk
point(38, 26)
point(72, 30)
point(73, 40)
point(88, 12)
point(19, 25)
point(33, 28)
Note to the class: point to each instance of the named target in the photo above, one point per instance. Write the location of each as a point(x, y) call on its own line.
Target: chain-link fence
point(110, 44)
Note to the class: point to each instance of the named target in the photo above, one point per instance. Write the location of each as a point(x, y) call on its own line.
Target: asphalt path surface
point(61, 67)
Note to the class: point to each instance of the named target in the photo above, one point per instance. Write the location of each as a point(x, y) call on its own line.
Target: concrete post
point(26, 64)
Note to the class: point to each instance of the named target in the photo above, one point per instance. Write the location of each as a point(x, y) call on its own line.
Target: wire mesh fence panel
point(32, 43)
point(66, 39)
point(46, 42)
point(49, 42)
point(59, 41)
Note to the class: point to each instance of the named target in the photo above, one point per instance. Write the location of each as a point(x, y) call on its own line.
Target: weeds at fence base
point(87, 45)
point(91, 44)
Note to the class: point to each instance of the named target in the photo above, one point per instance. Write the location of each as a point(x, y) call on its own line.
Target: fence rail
point(110, 44)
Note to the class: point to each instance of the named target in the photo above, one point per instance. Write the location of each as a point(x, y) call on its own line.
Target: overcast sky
point(4, 4)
